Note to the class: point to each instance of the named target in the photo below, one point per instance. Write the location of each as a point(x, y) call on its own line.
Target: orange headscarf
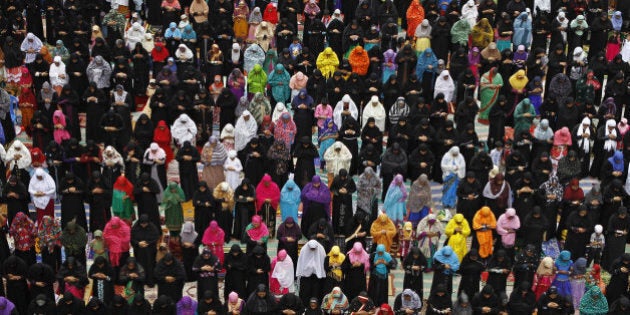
point(415, 16)
point(483, 224)
point(359, 60)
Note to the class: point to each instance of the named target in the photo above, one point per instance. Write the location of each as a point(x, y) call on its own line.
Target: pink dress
point(541, 284)
point(323, 110)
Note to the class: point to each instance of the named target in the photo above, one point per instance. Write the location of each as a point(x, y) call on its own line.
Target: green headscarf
point(593, 302)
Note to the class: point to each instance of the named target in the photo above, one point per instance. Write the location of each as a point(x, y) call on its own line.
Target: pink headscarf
point(233, 297)
point(399, 182)
point(213, 234)
point(117, 235)
point(508, 220)
point(358, 254)
point(256, 233)
point(623, 126)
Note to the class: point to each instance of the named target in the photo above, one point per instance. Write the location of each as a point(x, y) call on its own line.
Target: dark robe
point(41, 133)
point(94, 111)
point(145, 255)
point(203, 201)
point(236, 272)
point(103, 289)
point(257, 261)
point(76, 270)
point(290, 246)
point(18, 202)
point(576, 241)
point(615, 239)
point(99, 197)
point(244, 208)
point(189, 179)
point(43, 273)
point(355, 280)
point(206, 280)
point(332, 279)
point(525, 266)
point(416, 158)
point(342, 203)
point(71, 305)
point(176, 270)
point(618, 285)
point(147, 201)
point(136, 282)
point(16, 290)
point(305, 153)
point(496, 277)
point(413, 277)
point(72, 207)
point(470, 269)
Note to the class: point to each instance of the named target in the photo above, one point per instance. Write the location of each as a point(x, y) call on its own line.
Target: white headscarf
point(335, 161)
point(154, 152)
point(46, 185)
point(147, 42)
point(184, 129)
point(354, 112)
point(56, 70)
point(283, 271)
point(236, 53)
point(564, 24)
point(185, 55)
point(610, 145)
point(278, 110)
point(135, 34)
point(111, 157)
point(19, 148)
point(375, 109)
point(311, 260)
point(445, 85)
point(453, 162)
point(542, 5)
point(227, 132)
point(584, 144)
point(31, 42)
point(470, 12)
point(244, 130)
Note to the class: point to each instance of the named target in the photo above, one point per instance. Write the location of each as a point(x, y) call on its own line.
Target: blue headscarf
point(425, 59)
point(327, 131)
point(617, 161)
point(381, 269)
point(290, 199)
point(564, 262)
point(189, 33)
point(617, 21)
point(522, 30)
point(172, 31)
point(446, 255)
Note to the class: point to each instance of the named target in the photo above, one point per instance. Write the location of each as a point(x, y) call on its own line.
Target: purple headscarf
point(472, 59)
point(320, 194)
point(186, 306)
point(7, 306)
point(390, 56)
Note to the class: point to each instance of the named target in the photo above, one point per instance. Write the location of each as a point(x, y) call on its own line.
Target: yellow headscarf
point(335, 256)
point(519, 80)
point(407, 231)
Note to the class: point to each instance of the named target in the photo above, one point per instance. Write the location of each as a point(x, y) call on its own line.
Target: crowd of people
point(242, 102)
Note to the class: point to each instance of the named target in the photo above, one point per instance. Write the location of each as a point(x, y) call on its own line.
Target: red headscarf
point(37, 156)
point(27, 97)
point(213, 234)
point(117, 235)
point(123, 184)
point(573, 194)
point(271, 14)
point(162, 136)
point(159, 55)
point(267, 189)
point(257, 233)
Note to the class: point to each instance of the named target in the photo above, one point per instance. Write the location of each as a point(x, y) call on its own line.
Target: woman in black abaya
point(72, 191)
point(206, 267)
point(95, 104)
point(145, 191)
point(258, 267)
point(144, 238)
point(236, 272)
point(414, 264)
point(244, 197)
point(170, 267)
point(15, 271)
point(188, 156)
point(617, 236)
point(470, 269)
